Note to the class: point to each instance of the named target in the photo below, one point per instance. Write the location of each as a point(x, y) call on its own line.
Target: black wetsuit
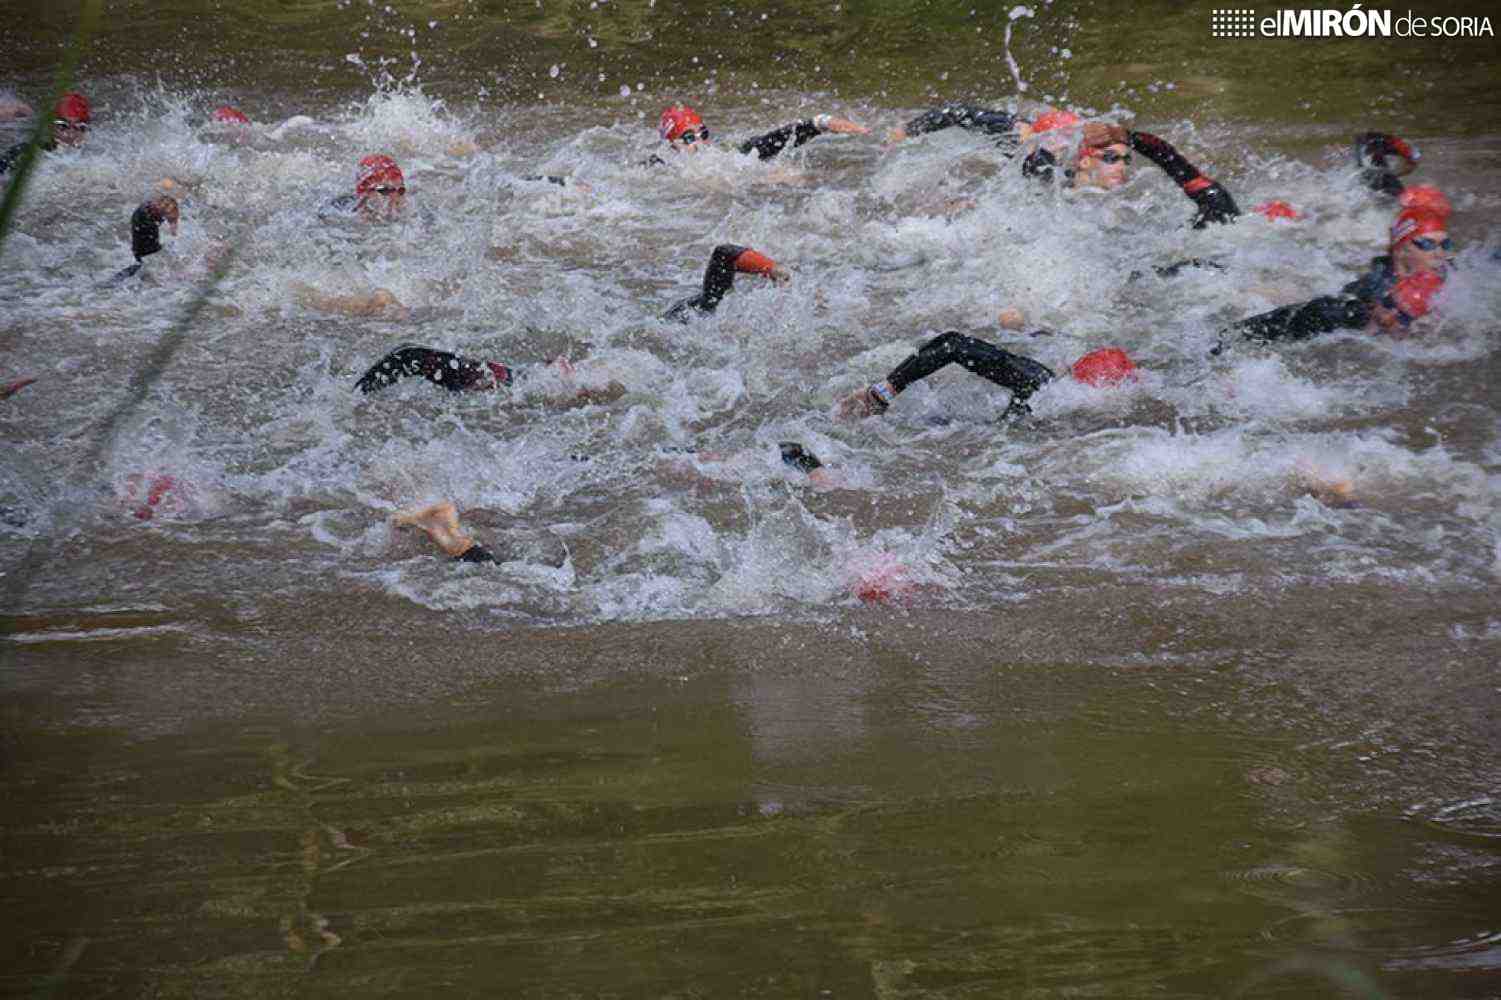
point(453, 372)
point(719, 278)
point(995, 123)
point(1350, 310)
point(13, 155)
point(1020, 375)
point(765, 146)
point(145, 239)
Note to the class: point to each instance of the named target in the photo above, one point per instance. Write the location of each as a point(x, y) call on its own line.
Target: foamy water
point(671, 500)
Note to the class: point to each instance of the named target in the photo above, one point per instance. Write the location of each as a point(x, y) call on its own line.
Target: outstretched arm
point(963, 116)
point(769, 145)
point(1019, 374)
point(719, 278)
point(1215, 203)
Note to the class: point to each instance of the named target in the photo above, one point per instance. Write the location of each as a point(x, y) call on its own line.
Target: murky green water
point(1133, 751)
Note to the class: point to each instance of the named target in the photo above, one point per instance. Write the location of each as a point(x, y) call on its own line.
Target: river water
point(1105, 703)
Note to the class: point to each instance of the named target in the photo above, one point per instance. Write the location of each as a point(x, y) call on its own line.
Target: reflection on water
point(885, 823)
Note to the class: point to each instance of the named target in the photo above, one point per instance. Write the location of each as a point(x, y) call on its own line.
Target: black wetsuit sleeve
point(773, 142)
point(549, 178)
point(10, 156)
point(1215, 203)
point(719, 278)
point(451, 371)
point(1303, 320)
point(963, 116)
point(1021, 375)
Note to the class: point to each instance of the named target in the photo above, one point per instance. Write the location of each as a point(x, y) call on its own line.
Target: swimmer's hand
point(779, 273)
point(841, 126)
point(1011, 318)
point(859, 404)
point(9, 389)
point(896, 135)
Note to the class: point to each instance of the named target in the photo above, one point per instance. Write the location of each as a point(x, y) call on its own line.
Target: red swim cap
point(1050, 120)
point(232, 116)
point(376, 171)
point(1276, 210)
point(1414, 222)
point(499, 373)
point(752, 262)
point(1106, 366)
point(1427, 198)
point(1414, 293)
point(74, 109)
point(676, 120)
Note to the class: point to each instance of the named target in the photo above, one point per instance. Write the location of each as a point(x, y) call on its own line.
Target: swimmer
point(1383, 160)
point(228, 115)
point(70, 126)
point(684, 131)
point(457, 373)
point(146, 230)
point(9, 389)
point(440, 521)
point(1396, 290)
point(1100, 160)
point(380, 191)
point(719, 278)
point(1016, 373)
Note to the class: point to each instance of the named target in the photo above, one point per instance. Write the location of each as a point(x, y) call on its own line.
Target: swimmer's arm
point(549, 178)
point(769, 145)
point(963, 116)
point(9, 389)
point(1215, 203)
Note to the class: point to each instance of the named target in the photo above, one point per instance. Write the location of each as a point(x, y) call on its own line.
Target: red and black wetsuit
point(1350, 310)
point(1014, 372)
point(719, 278)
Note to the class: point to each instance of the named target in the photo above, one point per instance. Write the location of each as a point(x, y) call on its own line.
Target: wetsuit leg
point(1303, 320)
point(1021, 375)
point(475, 553)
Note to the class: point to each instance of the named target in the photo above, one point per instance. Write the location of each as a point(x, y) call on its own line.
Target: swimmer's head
point(681, 126)
point(1102, 153)
point(1104, 367)
point(380, 188)
point(230, 116)
point(1420, 242)
point(1427, 198)
point(70, 120)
